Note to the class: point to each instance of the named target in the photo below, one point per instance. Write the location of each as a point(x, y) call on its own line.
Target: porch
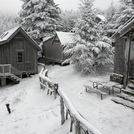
point(124, 52)
point(7, 71)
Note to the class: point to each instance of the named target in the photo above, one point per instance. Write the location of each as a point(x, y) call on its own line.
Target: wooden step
point(14, 78)
point(126, 97)
point(123, 102)
point(128, 91)
point(131, 85)
point(132, 81)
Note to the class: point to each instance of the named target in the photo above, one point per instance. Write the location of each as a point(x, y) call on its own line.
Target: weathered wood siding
point(9, 54)
point(131, 61)
point(53, 51)
point(47, 51)
point(119, 57)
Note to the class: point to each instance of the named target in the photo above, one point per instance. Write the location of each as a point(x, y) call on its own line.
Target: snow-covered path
point(107, 116)
point(33, 112)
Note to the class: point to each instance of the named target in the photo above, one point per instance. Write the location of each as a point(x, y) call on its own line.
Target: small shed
point(18, 52)
point(124, 51)
point(54, 46)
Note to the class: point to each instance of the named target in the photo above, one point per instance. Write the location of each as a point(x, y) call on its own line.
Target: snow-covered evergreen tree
point(8, 22)
point(91, 49)
point(125, 12)
point(110, 20)
point(67, 20)
point(39, 18)
point(122, 15)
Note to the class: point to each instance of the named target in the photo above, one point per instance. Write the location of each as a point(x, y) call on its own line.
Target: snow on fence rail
point(46, 83)
point(81, 126)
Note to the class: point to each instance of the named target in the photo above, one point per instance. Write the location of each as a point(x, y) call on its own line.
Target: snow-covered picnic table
point(108, 85)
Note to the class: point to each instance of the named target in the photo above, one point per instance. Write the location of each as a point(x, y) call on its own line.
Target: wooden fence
point(78, 123)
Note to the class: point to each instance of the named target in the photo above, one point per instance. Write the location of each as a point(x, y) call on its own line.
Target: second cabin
point(54, 46)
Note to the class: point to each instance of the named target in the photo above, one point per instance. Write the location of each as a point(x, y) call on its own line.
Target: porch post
point(3, 81)
point(127, 57)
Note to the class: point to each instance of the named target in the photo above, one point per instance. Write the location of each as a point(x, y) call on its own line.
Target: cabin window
point(20, 57)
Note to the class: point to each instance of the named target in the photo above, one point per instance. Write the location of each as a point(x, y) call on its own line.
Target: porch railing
point(8, 69)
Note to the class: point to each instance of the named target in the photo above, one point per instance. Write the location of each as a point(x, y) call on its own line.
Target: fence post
point(71, 125)
point(77, 127)
point(62, 110)
point(40, 83)
point(55, 89)
point(67, 111)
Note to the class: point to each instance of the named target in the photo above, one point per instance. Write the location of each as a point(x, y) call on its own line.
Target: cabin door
point(131, 61)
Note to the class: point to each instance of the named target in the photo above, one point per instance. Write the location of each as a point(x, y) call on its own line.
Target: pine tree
point(125, 12)
point(91, 49)
point(67, 21)
point(39, 18)
point(110, 20)
point(8, 22)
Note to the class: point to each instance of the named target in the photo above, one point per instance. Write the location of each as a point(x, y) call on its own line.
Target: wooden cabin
point(124, 51)
point(54, 46)
point(18, 53)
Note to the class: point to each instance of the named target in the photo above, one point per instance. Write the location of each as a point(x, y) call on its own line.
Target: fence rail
point(8, 69)
point(81, 126)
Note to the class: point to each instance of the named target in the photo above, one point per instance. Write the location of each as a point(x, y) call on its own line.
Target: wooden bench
point(95, 90)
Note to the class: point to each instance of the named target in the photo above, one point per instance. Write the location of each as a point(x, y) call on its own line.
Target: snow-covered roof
point(4, 36)
point(8, 35)
point(65, 37)
point(47, 38)
point(128, 26)
point(101, 17)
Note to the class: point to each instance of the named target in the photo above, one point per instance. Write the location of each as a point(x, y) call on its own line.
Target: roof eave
point(125, 29)
point(25, 34)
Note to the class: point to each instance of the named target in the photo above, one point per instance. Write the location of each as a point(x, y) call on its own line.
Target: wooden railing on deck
point(8, 69)
point(81, 126)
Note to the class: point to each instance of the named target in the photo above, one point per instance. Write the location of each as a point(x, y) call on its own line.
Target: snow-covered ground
point(35, 112)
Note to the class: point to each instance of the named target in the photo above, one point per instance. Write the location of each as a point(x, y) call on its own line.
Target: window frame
point(20, 59)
